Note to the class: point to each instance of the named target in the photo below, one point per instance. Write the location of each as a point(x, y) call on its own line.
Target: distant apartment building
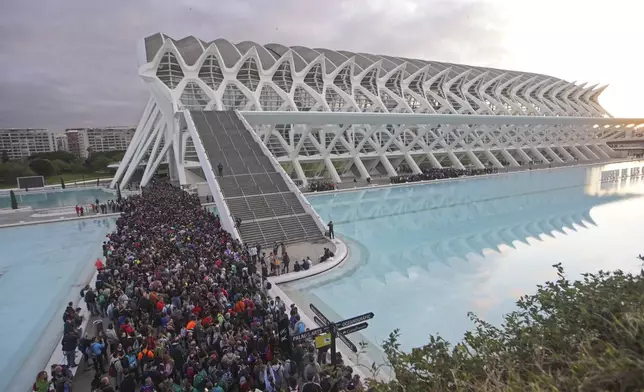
point(60, 141)
point(21, 143)
point(81, 141)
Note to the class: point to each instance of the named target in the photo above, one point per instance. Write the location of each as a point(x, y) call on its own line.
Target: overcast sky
point(74, 63)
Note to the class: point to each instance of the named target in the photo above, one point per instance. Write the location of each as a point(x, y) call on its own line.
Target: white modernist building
point(339, 114)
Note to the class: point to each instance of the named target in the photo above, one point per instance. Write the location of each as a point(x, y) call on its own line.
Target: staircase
point(253, 190)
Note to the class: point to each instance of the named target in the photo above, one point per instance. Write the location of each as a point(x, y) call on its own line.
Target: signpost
point(332, 331)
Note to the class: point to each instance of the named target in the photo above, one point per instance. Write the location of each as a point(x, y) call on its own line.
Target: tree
point(5, 156)
point(42, 167)
point(99, 163)
point(64, 156)
point(14, 201)
point(62, 182)
point(586, 335)
point(60, 166)
point(11, 170)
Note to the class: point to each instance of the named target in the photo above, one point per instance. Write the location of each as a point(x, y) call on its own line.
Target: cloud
point(71, 63)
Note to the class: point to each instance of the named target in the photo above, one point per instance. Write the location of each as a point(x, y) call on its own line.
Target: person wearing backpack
point(116, 369)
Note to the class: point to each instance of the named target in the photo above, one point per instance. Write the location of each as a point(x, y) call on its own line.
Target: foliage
point(64, 156)
point(586, 335)
point(42, 167)
point(99, 163)
point(14, 201)
point(11, 170)
point(61, 166)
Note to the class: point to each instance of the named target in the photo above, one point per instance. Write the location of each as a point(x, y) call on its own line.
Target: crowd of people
point(110, 206)
point(438, 174)
point(186, 309)
point(321, 186)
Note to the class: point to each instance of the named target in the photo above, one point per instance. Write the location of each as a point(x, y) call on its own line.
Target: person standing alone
point(331, 233)
point(220, 167)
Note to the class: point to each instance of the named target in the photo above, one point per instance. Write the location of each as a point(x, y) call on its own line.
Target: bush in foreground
point(586, 335)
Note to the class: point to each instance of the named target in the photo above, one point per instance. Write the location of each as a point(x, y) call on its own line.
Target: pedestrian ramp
point(255, 191)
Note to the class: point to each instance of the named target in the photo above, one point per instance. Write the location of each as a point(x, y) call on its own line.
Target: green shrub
point(586, 335)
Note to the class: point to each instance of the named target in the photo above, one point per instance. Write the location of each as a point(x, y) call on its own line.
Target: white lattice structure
point(432, 114)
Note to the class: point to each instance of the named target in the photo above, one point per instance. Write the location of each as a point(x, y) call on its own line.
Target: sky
point(74, 63)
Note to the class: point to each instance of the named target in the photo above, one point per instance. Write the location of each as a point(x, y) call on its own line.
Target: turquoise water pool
point(42, 267)
point(57, 198)
point(431, 253)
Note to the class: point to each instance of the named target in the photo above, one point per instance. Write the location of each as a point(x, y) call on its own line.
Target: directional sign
point(354, 320)
point(319, 314)
point(310, 333)
point(353, 328)
point(335, 330)
point(341, 336)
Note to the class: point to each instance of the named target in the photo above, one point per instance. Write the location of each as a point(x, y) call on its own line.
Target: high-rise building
point(21, 143)
point(60, 141)
point(82, 141)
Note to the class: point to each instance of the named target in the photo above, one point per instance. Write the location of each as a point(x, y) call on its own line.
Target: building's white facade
point(60, 141)
point(81, 141)
point(21, 143)
point(521, 110)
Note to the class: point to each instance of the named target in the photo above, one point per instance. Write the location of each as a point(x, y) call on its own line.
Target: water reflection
point(437, 251)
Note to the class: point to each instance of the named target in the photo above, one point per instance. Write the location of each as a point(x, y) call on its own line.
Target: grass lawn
point(70, 178)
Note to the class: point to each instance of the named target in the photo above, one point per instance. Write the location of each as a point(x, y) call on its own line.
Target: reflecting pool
point(37, 199)
point(42, 267)
point(430, 253)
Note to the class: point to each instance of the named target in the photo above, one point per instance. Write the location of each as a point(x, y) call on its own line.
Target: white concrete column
point(553, 155)
point(412, 164)
point(539, 155)
point(433, 161)
point(578, 153)
point(299, 171)
point(361, 169)
point(331, 169)
point(475, 160)
point(565, 153)
point(588, 152)
point(525, 157)
point(509, 158)
point(455, 161)
point(599, 152)
point(390, 169)
point(495, 162)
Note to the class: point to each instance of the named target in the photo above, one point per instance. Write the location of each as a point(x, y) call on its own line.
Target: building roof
point(191, 48)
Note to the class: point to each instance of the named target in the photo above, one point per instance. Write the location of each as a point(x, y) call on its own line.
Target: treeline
point(55, 163)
